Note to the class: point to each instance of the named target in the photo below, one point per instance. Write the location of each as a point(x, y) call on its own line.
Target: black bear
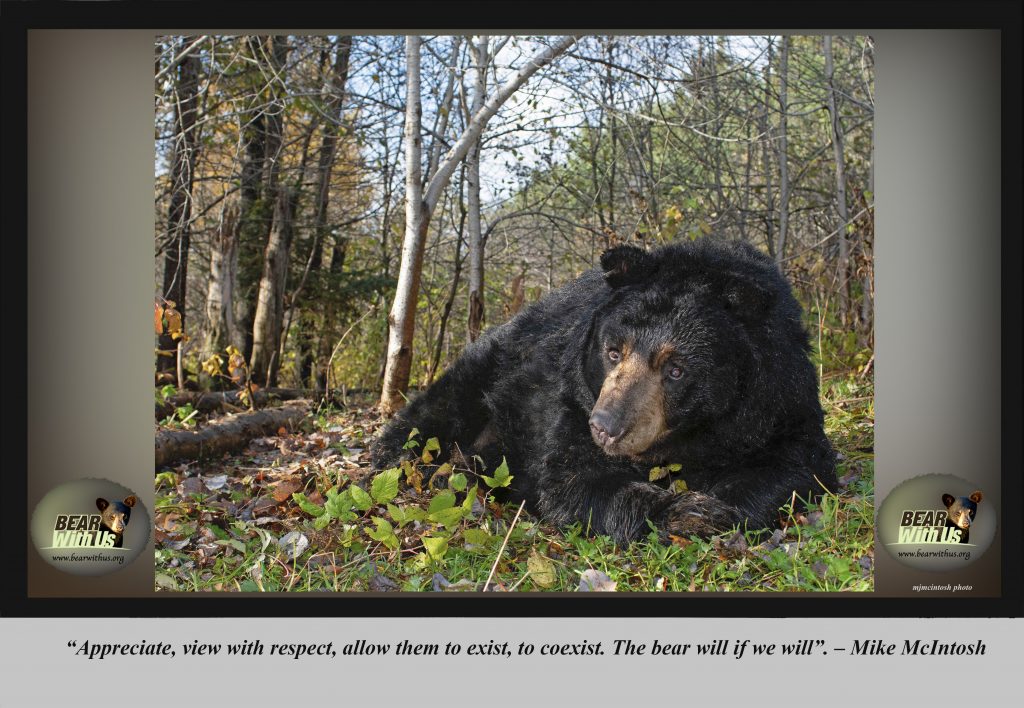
point(693, 354)
point(960, 513)
point(114, 517)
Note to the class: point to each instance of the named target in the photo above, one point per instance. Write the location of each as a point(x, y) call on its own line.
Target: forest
point(337, 217)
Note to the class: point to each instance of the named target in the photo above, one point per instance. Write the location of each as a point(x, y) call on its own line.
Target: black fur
point(744, 421)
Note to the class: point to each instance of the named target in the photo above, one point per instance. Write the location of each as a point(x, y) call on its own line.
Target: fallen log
point(229, 401)
point(230, 435)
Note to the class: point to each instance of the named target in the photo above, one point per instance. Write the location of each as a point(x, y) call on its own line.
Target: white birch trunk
point(420, 204)
point(474, 236)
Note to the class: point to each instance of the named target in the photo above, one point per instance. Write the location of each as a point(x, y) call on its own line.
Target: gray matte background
point(90, 286)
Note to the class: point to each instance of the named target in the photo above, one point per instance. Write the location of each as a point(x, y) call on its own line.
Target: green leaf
point(657, 473)
point(384, 533)
point(675, 467)
point(321, 522)
point(306, 505)
point(542, 570)
point(436, 546)
point(458, 482)
point(477, 537)
point(501, 476)
point(444, 500)
point(467, 503)
point(397, 515)
point(385, 485)
point(678, 486)
point(447, 517)
point(360, 498)
point(340, 505)
point(411, 442)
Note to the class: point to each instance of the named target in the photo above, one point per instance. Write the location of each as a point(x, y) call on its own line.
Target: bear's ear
point(626, 265)
point(746, 297)
point(976, 497)
point(130, 501)
point(948, 500)
point(102, 503)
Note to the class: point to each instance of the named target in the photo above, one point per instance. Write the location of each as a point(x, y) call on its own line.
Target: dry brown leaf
point(285, 488)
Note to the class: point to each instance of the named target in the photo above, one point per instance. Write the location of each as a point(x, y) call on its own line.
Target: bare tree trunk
point(420, 205)
point(269, 317)
point(780, 247)
point(220, 318)
point(476, 246)
point(179, 213)
point(435, 360)
point(310, 368)
point(837, 148)
point(264, 147)
point(766, 160)
point(401, 319)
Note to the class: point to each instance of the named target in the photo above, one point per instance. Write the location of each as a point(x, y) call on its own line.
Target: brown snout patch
point(633, 391)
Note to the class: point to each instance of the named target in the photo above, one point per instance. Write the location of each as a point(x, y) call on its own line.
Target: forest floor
point(284, 515)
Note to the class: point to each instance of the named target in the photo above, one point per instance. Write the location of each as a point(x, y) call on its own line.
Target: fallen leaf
point(595, 581)
point(679, 540)
point(294, 543)
point(285, 488)
point(192, 485)
point(541, 570)
point(215, 482)
point(380, 583)
point(166, 582)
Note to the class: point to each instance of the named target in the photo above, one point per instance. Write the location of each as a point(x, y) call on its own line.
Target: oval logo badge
point(90, 527)
point(936, 522)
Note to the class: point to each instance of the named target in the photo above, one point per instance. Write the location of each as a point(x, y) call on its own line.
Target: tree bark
point(766, 160)
point(220, 319)
point(231, 435)
point(264, 145)
point(179, 213)
point(476, 247)
point(401, 319)
point(435, 360)
point(420, 205)
point(837, 148)
point(310, 366)
point(780, 246)
point(269, 316)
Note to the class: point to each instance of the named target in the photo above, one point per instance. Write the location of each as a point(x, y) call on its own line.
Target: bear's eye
point(614, 355)
point(675, 373)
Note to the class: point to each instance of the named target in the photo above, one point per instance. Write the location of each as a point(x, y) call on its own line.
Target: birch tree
point(476, 246)
point(421, 201)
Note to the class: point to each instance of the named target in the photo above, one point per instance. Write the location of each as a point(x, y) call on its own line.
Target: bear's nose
point(605, 426)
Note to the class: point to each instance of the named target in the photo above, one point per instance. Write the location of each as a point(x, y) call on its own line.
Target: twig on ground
point(503, 543)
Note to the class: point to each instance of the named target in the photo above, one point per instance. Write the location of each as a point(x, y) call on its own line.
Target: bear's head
point(960, 511)
point(674, 345)
point(115, 515)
